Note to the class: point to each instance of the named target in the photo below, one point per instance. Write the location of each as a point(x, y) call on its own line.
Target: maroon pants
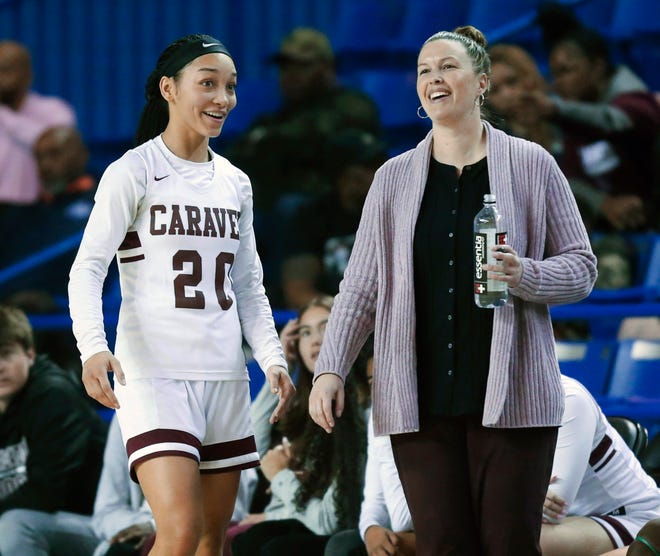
point(473, 490)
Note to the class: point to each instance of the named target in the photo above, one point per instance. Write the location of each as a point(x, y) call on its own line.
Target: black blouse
point(453, 334)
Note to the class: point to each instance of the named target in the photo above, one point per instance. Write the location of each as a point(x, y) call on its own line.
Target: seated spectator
point(320, 235)
point(599, 496)
point(24, 116)
point(121, 514)
point(59, 343)
point(315, 479)
point(51, 449)
point(282, 151)
point(66, 201)
point(513, 74)
point(610, 124)
point(385, 523)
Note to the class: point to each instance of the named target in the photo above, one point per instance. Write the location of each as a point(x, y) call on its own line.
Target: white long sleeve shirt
point(384, 502)
point(597, 474)
point(190, 276)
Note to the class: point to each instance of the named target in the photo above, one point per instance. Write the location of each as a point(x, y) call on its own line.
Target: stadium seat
point(636, 370)
point(597, 14)
point(257, 378)
point(646, 271)
point(509, 20)
point(650, 458)
point(395, 94)
point(422, 18)
point(636, 29)
point(633, 18)
point(362, 31)
point(588, 362)
point(254, 98)
point(633, 433)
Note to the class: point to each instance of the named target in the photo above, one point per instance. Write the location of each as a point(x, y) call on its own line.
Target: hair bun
point(472, 33)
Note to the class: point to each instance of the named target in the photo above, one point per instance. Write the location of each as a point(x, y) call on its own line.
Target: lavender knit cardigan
point(377, 293)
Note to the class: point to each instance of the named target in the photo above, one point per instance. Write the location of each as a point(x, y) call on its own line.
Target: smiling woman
point(471, 397)
point(191, 284)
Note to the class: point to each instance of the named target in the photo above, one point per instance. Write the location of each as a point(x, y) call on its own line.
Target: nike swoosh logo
point(161, 178)
point(207, 44)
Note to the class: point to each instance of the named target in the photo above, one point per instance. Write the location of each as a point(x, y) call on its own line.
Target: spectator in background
point(315, 480)
point(283, 151)
point(610, 124)
point(121, 513)
point(385, 524)
point(65, 203)
point(320, 235)
point(514, 73)
point(24, 116)
point(599, 496)
point(51, 449)
point(280, 151)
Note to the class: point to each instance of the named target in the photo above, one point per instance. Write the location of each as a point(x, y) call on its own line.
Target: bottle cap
point(489, 198)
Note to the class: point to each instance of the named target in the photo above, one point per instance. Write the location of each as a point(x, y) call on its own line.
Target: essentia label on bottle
point(483, 255)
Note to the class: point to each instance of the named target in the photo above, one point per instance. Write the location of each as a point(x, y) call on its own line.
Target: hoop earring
point(480, 100)
point(419, 115)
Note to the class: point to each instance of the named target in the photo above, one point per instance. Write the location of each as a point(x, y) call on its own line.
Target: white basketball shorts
point(208, 421)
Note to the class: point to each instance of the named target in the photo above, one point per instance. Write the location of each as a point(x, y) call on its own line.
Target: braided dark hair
point(155, 114)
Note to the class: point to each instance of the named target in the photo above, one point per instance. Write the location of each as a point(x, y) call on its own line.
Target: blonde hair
point(474, 42)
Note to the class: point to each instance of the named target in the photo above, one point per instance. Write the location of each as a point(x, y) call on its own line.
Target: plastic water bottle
point(488, 231)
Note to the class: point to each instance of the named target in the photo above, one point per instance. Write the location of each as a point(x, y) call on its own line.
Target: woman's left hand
point(253, 519)
point(508, 268)
point(275, 460)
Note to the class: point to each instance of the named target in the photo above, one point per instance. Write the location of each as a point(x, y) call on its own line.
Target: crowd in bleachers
point(581, 82)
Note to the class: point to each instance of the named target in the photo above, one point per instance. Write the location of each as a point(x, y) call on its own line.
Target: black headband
point(187, 52)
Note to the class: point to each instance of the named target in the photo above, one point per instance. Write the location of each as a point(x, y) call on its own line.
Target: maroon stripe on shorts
point(131, 241)
point(625, 535)
point(226, 450)
point(158, 436)
point(153, 455)
point(239, 467)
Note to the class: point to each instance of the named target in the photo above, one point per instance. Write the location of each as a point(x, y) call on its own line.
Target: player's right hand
point(96, 381)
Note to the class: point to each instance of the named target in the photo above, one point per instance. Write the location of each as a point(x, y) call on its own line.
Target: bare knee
point(177, 537)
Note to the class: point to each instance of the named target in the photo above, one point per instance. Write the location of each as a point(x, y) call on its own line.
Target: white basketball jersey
point(183, 246)
point(613, 482)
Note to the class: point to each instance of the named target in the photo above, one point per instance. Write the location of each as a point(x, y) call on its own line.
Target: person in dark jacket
point(51, 448)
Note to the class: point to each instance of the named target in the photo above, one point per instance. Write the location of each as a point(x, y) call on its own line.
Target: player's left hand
point(508, 267)
point(281, 384)
point(554, 506)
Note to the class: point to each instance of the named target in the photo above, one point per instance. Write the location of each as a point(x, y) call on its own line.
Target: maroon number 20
point(192, 279)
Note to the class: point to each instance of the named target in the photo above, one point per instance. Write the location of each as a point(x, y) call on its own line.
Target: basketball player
point(600, 496)
point(178, 217)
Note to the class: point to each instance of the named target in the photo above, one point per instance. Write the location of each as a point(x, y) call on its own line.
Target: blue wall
point(97, 53)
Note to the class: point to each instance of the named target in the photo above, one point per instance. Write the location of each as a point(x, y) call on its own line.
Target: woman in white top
point(600, 496)
point(179, 219)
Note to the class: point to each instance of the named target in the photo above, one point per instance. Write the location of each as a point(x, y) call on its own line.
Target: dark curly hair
point(321, 458)
point(339, 457)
